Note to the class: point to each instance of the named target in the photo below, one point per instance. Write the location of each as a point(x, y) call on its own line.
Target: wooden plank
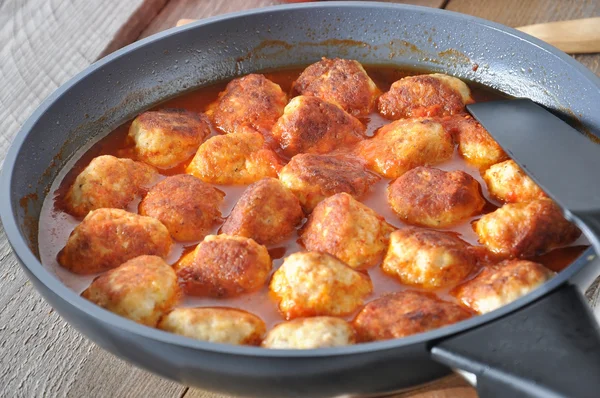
point(43, 45)
point(518, 13)
point(193, 9)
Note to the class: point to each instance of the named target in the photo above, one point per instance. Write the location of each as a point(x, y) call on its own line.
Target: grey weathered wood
point(42, 45)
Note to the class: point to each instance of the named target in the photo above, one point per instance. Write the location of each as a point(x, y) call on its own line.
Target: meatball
point(217, 325)
point(501, 284)
point(310, 124)
point(434, 198)
point(224, 266)
point(252, 102)
point(341, 81)
point(187, 206)
point(313, 177)
point(508, 183)
point(267, 212)
point(141, 289)
point(426, 258)
point(309, 333)
point(347, 229)
point(424, 96)
point(236, 159)
point(106, 238)
point(168, 137)
point(405, 144)
point(475, 144)
point(311, 283)
point(525, 229)
point(404, 313)
point(108, 182)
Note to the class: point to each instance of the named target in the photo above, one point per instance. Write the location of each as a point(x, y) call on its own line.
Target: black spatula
point(563, 161)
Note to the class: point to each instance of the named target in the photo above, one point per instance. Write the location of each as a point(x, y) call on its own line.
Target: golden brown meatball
point(501, 284)
point(347, 229)
point(250, 102)
point(108, 182)
point(508, 183)
point(310, 124)
point(425, 96)
point(525, 229)
point(313, 177)
point(224, 266)
point(237, 159)
point(427, 258)
point(405, 313)
point(106, 238)
point(168, 137)
point(405, 144)
point(341, 81)
point(267, 212)
point(310, 333)
point(141, 289)
point(475, 144)
point(187, 206)
point(217, 325)
point(311, 283)
point(435, 198)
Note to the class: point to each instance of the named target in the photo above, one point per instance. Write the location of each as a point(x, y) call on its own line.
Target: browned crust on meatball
point(182, 133)
point(501, 284)
point(312, 125)
point(420, 96)
point(347, 229)
point(267, 212)
point(341, 81)
point(215, 324)
point(252, 101)
point(405, 313)
point(106, 238)
point(237, 159)
point(224, 266)
point(107, 182)
point(431, 197)
point(313, 177)
point(428, 258)
point(405, 144)
point(187, 206)
point(475, 144)
point(526, 229)
point(124, 289)
point(313, 284)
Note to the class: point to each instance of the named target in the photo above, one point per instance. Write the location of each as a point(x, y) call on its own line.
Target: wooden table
point(43, 44)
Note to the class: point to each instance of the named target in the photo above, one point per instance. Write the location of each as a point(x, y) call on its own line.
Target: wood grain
point(193, 9)
point(519, 13)
point(575, 36)
point(43, 45)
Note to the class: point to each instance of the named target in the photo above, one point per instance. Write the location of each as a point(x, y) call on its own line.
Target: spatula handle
point(577, 36)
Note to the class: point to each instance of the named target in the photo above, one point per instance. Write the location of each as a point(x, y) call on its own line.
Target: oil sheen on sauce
point(55, 225)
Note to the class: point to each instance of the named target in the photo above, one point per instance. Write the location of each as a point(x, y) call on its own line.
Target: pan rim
point(29, 261)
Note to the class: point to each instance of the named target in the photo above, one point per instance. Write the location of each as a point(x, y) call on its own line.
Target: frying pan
point(544, 344)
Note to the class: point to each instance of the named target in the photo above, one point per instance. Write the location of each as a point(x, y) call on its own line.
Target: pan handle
point(550, 348)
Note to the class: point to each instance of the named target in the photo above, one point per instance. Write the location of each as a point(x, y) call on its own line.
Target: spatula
point(563, 161)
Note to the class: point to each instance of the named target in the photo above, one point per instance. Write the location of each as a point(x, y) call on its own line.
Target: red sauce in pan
point(55, 225)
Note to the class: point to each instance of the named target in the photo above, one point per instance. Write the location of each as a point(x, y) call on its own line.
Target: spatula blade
point(563, 161)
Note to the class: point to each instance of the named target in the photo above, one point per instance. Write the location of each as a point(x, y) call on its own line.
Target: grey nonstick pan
point(545, 344)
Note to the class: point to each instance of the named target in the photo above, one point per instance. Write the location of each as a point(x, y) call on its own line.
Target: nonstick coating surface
point(159, 67)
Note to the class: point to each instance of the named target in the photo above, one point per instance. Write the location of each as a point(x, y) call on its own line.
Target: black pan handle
point(550, 348)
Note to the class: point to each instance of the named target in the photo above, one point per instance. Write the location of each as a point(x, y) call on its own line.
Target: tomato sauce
point(55, 225)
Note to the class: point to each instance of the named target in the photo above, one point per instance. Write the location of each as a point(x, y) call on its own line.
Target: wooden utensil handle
point(577, 36)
